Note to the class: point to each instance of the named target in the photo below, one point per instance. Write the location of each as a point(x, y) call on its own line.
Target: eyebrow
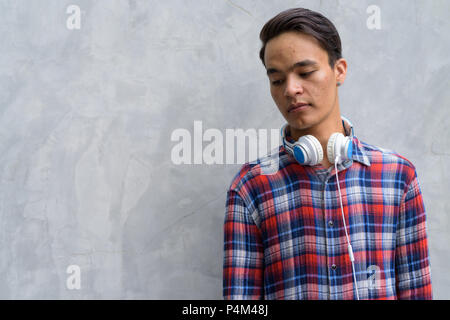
point(303, 63)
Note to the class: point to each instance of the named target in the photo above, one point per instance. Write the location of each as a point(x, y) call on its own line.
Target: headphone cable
point(349, 247)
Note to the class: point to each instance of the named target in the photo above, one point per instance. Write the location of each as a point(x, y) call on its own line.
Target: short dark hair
point(307, 22)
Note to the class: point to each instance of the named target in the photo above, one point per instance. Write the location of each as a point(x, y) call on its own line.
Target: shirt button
point(330, 223)
point(333, 267)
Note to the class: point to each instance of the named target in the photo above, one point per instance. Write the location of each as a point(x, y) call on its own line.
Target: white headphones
point(307, 150)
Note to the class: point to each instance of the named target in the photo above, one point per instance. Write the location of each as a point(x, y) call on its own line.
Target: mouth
point(295, 107)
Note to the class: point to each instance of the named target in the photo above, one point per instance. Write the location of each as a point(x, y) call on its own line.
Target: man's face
point(299, 72)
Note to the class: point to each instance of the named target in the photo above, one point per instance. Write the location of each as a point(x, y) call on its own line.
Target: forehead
point(290, 47)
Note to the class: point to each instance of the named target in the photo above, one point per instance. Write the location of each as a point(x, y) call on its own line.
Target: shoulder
point(260, 171)
point(389, 161)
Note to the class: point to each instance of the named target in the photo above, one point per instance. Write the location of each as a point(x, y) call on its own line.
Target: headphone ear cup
point(339, 144)
point(318, 151)
point(334, 146)
point(299, 153)
point(312, 150)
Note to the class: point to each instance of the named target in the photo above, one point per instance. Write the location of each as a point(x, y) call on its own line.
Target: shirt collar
point(358, 153)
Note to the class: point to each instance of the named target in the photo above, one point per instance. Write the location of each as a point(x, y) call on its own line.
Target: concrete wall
point(87, 176)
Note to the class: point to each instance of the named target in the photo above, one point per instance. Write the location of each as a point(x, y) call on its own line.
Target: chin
point(300, 125)
point(301, 119)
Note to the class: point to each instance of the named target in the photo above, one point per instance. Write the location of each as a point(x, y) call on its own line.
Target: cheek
point(279, 99)
point(321, 87)
point(276, 94)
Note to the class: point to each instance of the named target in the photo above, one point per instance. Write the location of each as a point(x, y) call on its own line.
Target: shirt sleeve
point(243, 261)
point(413, 277)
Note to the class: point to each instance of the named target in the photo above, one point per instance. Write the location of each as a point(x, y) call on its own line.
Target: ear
point(340, 70)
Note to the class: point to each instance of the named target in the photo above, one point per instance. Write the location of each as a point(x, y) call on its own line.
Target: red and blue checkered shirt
point(284, 237)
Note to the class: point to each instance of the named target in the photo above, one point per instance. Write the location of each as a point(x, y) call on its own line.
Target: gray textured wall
point(86, 118)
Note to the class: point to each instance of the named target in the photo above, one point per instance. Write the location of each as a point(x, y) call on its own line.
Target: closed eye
point(277, 82)
point(305, 75)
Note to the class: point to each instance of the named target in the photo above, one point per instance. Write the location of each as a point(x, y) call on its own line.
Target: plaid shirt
point(284, 236)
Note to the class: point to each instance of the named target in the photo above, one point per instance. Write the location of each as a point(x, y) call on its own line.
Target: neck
point(322, 131)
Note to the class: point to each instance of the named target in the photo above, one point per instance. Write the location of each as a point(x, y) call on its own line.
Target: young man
point(340, 219)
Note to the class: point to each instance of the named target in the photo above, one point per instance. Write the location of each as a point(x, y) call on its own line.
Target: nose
point(293, 87)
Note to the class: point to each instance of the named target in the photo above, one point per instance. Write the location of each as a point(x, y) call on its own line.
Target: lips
point(298, 106)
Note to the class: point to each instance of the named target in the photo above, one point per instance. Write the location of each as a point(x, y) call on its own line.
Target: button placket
point(329, 234)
